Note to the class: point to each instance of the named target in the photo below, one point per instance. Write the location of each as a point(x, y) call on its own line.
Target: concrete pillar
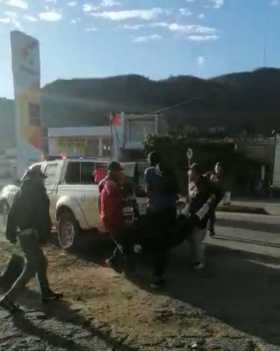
point(100, 147)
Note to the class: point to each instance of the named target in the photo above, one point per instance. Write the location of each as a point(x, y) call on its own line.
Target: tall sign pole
point(26, 74)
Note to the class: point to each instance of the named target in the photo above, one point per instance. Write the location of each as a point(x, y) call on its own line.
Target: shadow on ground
point(239, 288)
point(70, 330)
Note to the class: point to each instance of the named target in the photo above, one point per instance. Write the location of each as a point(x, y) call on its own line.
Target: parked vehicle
point(73, 197)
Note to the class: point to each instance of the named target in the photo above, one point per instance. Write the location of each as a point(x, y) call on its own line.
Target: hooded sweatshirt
point(30, 210)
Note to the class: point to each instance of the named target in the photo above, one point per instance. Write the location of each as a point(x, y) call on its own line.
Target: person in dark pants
point(162, 189)
point(29, 222)
point(216, 178)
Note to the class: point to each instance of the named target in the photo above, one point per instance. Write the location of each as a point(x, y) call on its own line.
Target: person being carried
point(29, 223)
point(203, 199)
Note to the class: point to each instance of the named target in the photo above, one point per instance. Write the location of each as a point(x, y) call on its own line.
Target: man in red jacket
point(110, 208)
point(114, 214)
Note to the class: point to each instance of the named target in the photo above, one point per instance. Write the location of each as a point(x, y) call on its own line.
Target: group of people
point(161, 228)
point(157, 232)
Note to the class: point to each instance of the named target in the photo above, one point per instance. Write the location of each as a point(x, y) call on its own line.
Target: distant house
point(80, 141)
point(124, 134)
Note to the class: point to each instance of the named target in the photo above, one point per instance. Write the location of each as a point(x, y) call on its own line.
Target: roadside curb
point(268, 223)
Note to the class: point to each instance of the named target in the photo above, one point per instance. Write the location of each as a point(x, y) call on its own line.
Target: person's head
point(34, 173)
point(218, 168)
point(115, 171)
point(195, 172)
point(153, 158)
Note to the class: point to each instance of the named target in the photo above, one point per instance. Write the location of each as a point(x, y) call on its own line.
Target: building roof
point(103, 131)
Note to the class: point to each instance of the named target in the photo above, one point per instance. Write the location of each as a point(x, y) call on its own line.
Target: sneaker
point(212, 233)
point(9, 306)
point(115, 263)
point(51, 296)
point(198, 266)
point(137, 249)
point(157, 283)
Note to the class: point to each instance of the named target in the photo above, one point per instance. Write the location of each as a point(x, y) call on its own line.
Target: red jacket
point(110, 205)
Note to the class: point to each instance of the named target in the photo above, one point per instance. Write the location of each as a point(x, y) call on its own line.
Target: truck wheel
point(4, 211)
point(68, 230)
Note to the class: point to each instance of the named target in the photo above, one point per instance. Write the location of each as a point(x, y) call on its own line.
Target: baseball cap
point(115, 166)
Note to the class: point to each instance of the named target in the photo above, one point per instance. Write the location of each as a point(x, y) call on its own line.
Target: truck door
point(52, 173)
point(90, 199)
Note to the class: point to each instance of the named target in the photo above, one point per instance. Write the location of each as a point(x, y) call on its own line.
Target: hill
point(238, 101)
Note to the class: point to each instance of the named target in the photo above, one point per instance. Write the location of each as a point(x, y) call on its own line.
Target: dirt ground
point(232, 305)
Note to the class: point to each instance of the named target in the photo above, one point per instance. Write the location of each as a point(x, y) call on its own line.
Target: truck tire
point(4, 211)
point(68, 230)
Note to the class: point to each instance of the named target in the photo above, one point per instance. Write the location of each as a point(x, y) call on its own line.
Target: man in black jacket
point(29, 222)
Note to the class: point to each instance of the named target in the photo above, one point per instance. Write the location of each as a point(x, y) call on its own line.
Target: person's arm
point(41, 208)
point(148, 181)
point(11, 231)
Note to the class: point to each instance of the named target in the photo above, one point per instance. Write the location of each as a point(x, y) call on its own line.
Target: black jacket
point(201, 193)
point(30, 209)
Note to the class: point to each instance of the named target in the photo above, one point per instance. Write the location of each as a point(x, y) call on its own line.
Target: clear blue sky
point(156, 38)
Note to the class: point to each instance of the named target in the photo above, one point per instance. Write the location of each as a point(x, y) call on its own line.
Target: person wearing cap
point(116, 212)
point(203, 199)
point(29, 223)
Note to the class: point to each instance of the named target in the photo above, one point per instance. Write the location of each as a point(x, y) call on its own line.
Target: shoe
point(158, 283)
point(137, 248)
point(51, 296)
point(198, 266)
point(115, 263)
point(9, 306)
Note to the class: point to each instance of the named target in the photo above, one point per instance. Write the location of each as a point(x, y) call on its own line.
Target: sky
point(154, 38)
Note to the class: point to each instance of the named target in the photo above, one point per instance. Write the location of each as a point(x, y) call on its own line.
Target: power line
point(185, 102)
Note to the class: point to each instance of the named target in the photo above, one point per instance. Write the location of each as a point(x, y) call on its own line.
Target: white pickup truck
point(73, 197)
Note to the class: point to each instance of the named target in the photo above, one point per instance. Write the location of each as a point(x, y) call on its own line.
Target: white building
point(80, 141)
point(126, 133)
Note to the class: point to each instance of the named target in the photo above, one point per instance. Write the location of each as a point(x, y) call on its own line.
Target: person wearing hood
point(29, 223)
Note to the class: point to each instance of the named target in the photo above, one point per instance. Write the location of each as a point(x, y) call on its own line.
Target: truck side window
point(73, 173)
point(87, 172)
